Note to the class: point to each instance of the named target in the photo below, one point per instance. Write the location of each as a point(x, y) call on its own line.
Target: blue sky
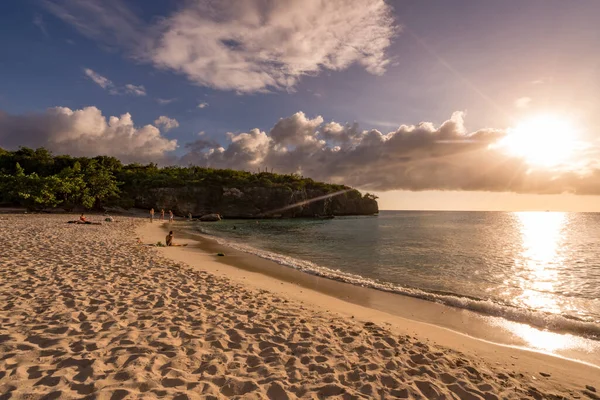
point(414, 61)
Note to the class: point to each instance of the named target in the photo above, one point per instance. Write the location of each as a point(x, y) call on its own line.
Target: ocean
point(538, 268)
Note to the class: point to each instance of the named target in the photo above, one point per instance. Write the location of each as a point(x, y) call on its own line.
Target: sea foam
point(539, 319)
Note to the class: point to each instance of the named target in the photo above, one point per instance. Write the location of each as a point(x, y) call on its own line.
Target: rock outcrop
point(256, 202)
point(210, 218)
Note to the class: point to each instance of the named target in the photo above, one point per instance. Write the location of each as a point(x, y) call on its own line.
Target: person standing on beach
point(162, 214)
point(152, 215)
point(170, 216)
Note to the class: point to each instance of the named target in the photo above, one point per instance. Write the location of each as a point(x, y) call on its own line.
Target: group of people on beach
point(162, 215)
point(169, 238)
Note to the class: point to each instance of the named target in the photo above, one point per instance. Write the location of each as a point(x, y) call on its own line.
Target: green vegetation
point(370, 196)
point(38, 180)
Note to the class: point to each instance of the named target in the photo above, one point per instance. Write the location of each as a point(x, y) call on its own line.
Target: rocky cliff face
point(256, 202)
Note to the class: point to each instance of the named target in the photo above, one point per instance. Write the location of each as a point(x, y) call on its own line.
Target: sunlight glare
point(542, 234)
point(546, 140)
point(550, 342)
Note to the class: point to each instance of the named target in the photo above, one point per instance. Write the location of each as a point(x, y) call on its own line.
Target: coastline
point(473, 324)
point(413, 317)
point(87, 310)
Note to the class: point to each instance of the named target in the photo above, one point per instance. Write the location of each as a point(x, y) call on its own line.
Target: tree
point(36, 179)
point(101, 185)
point(73, 190)
point(33, 191)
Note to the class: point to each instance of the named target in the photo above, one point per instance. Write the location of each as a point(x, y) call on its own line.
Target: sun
point(546, 140)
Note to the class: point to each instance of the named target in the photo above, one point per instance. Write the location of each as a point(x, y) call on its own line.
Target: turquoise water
point(541, 268)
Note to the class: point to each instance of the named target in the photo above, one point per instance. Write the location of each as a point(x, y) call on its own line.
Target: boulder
point(210, 218)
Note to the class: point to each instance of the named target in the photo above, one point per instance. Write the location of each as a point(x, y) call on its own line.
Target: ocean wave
point(554, 322)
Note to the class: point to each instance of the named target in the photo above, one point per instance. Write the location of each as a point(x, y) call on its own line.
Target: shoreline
point(241, 268)
point(493, 329)
point(88, 311)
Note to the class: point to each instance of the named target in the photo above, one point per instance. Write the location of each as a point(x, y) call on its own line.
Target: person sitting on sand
point(169, 240)
point(83, 220)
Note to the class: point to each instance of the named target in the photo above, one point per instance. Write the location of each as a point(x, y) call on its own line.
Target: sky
point(441, 104)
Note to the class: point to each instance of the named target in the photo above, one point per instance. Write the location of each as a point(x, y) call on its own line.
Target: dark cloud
point(413, 157)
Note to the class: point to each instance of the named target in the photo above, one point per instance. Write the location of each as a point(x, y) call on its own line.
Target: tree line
point(37, 179)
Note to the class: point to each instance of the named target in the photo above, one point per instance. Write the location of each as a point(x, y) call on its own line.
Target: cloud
point(85, 132)
point(417, 157)
point(165, 101)
point(166, 123)
point(135, 90)
point(38, 21)
point(107, 84)
point(260, 44)
point(110, 22)
point(412, 157)
point(249, 46)
point(203, 105)
point(523, 102)
point(100, 80)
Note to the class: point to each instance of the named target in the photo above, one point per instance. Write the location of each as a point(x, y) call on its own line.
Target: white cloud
point(107, 84)
point(38, 21)
point(165, 101)
point(135, 90)
point(85, 132)
point(260, 44)
point(523, 102)
point(109, 22)
point(166, 123)
point(203, 105)
point(249, 46)
point(100, 80)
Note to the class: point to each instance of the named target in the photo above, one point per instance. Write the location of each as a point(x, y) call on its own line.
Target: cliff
point(256, 201)
point(38, 180)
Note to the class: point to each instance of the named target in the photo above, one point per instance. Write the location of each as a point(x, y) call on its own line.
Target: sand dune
point(87, 312)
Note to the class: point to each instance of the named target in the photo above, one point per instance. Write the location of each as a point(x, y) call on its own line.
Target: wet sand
point(88, 312)
point(489, 328)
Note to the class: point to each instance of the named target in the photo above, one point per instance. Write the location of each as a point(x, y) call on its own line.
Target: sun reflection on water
point(537, 270)
point(546, 341)
point(539, 264)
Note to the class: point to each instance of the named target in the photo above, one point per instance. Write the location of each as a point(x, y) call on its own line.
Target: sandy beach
point(92, 311)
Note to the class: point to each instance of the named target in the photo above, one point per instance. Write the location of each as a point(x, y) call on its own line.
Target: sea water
point(538, 268)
